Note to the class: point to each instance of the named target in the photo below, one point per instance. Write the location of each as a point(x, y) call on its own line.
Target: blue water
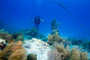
point(16, 15)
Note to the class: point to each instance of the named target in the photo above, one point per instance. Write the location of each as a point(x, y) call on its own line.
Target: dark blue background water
point(16, 15)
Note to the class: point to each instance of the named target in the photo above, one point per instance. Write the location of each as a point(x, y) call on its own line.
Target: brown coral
point(54, 38)
point(54, 24)
point(84, 56)
point(5, 35)
point(18, 55)
point(74, 54)
point(14, 51)
point(65, 51)
point(54, 55)
point(19, 38)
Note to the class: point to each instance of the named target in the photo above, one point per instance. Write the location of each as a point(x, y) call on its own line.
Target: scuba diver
point(37, 21)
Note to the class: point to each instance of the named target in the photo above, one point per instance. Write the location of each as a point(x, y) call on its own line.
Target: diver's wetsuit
point(37, 22)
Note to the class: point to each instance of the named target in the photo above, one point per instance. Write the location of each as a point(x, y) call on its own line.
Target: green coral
point(54, 24)
point(33, 32)
point(19, 38)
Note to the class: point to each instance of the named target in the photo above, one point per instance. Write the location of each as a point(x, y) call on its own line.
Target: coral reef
point(31, 57)
point(54, 24)
point(67, 42)
point(33, 33)
point(19, 38)
point(73, 54)
point(6, 36)
point(54, 38)
point(64, 51)
point(18, 55)
point(54, 55)
point(11, 37)
point(37, 47)
point(2, 44)
point(66, 54)
point(14, 51)
point(84, 44)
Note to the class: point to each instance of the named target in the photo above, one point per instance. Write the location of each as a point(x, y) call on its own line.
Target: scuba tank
point(37, 20)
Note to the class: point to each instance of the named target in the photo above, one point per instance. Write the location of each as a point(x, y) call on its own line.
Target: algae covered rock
point(19, 38)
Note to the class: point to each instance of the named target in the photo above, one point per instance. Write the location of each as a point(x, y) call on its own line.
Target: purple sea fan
point(54, 55)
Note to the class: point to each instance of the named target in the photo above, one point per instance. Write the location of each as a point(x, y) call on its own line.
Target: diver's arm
point(42, 20)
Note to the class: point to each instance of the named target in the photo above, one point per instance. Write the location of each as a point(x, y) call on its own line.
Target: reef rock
point(37, 47)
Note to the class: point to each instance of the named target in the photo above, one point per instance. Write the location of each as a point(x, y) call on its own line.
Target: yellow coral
point(75, 55)
point(17, 46)
point(54, 38)
point(65, 51)
point(18, 55)
point(84, 56)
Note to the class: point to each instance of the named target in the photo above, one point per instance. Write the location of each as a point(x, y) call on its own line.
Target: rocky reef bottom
point(37, 47)
point(41, 48)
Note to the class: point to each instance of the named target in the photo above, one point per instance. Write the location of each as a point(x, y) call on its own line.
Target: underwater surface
point(46, 29)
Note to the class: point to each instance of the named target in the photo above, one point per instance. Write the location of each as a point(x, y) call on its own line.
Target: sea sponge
point(31, 57)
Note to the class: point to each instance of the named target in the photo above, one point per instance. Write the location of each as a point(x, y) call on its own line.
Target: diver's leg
point(37, 26)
